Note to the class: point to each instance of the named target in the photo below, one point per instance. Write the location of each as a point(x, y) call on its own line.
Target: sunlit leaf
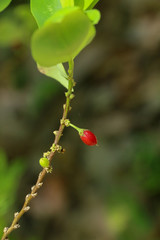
point(67, 3)
point(62, 37)
point(94, 15)
point(57, 72)
point(72, 3)
point(79, 3)
point(4, 4)
point(89, 4)
point(43, 9)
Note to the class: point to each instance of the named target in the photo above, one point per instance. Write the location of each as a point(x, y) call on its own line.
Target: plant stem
point(75, 127)
point(14, 225)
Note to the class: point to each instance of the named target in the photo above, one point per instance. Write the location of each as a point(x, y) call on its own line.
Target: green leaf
point(4, 4)
point(62, 37)
point(10, 177)
point(57, 72)
point(94, 15)
point(43, 9)
point(72, 3)
point(79, 3)
point(17, 27)
point(89, 4)
point(67, 3)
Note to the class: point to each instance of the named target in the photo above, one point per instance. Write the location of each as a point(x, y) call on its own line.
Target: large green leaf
point(89, 4)
point(94, 15)
point(4, 4)
point(57, 72)
point(79, 3)
point(43, 9)
point(72, 3)
point(62, 37)
point(67, 3)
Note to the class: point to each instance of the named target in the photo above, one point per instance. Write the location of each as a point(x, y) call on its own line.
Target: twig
point(14, 225)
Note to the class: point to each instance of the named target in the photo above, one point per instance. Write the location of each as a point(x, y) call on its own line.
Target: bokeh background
point(110, 192)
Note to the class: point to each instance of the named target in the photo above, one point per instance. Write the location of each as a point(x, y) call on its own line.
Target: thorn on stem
point(32, 188)
point(26, 208)
point(16, 226)
point(34, 195)
point(67, 94)
point(5, 229)
point(72, 96)
point(15, 215)
point(55, 133)
point(40, 184)
point(27, 196)
point(64, 106)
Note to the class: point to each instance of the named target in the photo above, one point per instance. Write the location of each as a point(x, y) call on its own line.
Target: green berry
point(44, 162)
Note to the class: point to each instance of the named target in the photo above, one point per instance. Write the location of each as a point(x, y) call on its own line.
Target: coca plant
point(65, 27)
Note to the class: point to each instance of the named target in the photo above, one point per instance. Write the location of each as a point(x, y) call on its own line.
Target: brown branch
point(14, 225)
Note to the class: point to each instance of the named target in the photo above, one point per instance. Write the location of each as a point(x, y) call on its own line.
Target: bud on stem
point(86, 135)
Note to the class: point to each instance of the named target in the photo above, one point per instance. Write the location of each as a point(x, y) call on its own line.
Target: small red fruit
point(88, 138)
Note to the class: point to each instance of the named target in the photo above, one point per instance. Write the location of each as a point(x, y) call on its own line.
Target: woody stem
point(17, 216)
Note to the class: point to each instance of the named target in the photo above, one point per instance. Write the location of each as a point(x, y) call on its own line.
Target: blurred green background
point(110, 192)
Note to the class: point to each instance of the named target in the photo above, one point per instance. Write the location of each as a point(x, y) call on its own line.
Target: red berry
point(88, 138)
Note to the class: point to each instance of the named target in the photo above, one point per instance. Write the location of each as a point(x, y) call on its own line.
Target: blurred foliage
point(10, 176)
point(125, 215)
point(146, 166)
point(16, 26)
point(43, 94)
